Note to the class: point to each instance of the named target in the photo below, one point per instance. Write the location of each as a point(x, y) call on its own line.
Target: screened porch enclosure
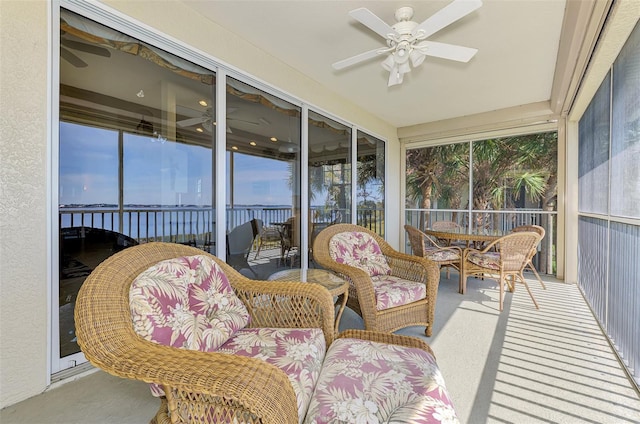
point(487, 187)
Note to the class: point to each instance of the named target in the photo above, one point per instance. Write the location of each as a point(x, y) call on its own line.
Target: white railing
point(195, 225)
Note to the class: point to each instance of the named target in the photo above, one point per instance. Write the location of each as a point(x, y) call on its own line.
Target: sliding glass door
point(136, 157)
point(137, 164)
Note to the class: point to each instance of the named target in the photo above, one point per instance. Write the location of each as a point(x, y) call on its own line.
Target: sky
point(157, 173)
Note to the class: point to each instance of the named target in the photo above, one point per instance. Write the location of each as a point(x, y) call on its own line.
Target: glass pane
point(593, 153)
point(136, 153)
point(625, 134)
point(167, 191)
point(514, 173)
point(370, 177)
point(263, 181)
point(438, 178)
point(329, 173)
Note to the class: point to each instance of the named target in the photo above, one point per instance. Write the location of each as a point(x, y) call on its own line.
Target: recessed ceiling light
point(203, 103)
point(199, 129)
point(253, 143)
point(234, 147)
point(273, 139)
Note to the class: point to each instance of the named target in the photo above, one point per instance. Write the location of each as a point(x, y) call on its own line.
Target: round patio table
point(461, 234)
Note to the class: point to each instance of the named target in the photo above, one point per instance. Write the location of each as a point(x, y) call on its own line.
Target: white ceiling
point(517, 41)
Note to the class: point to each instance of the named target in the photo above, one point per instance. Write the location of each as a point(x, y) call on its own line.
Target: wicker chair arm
point(212, 378)
point(287, 305)
point(413, 267)
point(387, 338)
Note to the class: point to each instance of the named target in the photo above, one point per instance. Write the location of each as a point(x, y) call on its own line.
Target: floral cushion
point(359, 250)
point(489, 260)
point(441, 255)
point(394, 291)
point(369, 382)
point(185, 302)
point(298, 352)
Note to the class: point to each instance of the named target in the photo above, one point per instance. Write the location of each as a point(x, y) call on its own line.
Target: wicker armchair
point(200, 386)
point(503, 260)
point(425, 246)
point(538, 229)
point(363, 297)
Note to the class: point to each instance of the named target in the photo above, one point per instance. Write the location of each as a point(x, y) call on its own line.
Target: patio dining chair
point(390, 290)
point(538, 229)
point(503, 260)
point(424, 246)
point(449, 226)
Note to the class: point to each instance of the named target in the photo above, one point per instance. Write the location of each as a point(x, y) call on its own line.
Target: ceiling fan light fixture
point(416, 58)
point(388, 64)
point(287, 147)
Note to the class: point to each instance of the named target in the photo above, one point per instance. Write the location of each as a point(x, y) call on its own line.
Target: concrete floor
point(523, 365)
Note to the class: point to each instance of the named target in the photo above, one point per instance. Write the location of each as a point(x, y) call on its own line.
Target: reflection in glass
point(329, 173)
point(370, 177)
point(136, 153)
point(263, 180)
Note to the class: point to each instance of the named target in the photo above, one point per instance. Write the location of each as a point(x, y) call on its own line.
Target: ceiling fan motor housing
point(404, 13)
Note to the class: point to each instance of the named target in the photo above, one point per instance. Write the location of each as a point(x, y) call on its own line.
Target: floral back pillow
point(186, 302)
point(359, 250)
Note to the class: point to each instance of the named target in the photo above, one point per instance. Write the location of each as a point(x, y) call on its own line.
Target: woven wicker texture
point(201, 387)
point(421, 243)
point(362, 298)
point(538, 229)
point(515, 250)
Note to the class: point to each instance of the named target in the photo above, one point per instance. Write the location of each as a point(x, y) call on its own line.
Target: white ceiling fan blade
point(358, 58)
point(373, 22)
point(446, 16)
point(257, 124)
point(446, 51)
point(189, 122)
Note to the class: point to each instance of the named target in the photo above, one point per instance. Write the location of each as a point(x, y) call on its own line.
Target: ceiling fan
point(406, 39)
point(72, 58)
point(207, 121)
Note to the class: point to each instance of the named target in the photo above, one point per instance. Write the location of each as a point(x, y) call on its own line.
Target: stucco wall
point(25, 163)
point(23, 199)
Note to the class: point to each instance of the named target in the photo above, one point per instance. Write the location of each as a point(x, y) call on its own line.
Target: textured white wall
point(23, 199)
point(24, 165)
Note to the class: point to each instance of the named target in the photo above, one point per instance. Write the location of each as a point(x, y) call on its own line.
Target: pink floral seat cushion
point(187, 303)
point(369, 382)
point(359, 250)
point(441, 255)
point(298, 352)
point(489, 260)
point(393, 291)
